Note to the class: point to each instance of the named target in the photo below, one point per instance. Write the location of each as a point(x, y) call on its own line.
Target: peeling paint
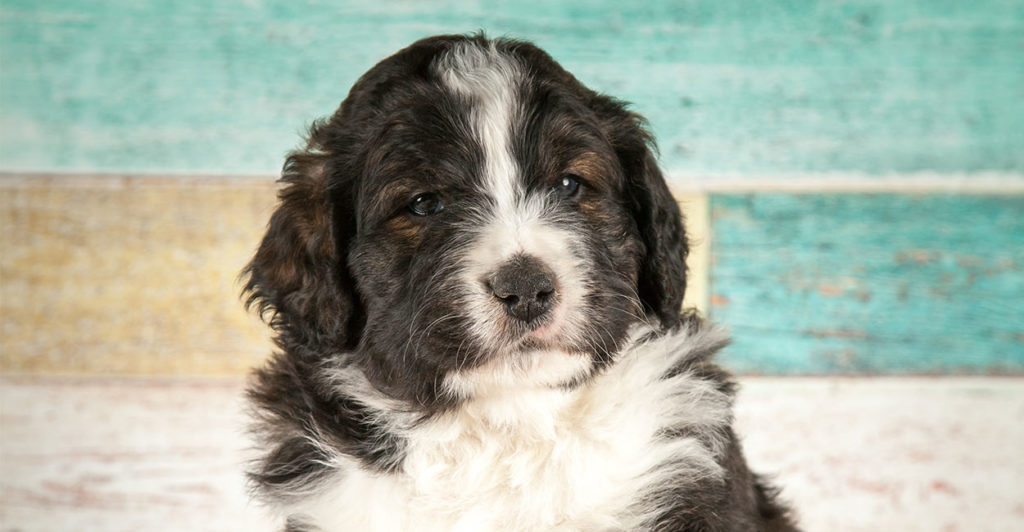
point(868, 283)
point(731, 87)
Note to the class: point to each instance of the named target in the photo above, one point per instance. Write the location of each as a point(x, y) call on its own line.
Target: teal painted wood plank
point(870, 283)
point(731, 86)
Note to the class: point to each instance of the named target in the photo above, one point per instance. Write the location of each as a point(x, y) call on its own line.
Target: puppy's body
point(475, 274)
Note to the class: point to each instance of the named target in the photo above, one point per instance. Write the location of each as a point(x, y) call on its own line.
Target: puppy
point(475, 276)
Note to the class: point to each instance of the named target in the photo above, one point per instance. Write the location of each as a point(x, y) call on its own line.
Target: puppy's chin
point(534, 365)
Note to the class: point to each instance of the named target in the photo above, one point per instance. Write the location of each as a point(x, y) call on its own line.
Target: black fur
point(347, 279)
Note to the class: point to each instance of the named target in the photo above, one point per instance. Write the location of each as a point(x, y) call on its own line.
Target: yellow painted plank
point(138, 275)
point(695, 210)
point(129, 276)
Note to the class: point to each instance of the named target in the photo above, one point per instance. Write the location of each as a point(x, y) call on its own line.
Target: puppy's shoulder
point(686, 349)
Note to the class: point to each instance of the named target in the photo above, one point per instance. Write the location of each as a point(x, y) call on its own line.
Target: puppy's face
point(472, 219)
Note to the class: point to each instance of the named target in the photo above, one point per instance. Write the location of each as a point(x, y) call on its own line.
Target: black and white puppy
point(475, 274)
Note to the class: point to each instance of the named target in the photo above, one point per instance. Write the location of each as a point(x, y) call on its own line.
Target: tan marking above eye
point(591, 166)
point(399, 190)
point(403, 227)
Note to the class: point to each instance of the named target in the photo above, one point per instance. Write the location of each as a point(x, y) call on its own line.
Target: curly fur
point(403, 397)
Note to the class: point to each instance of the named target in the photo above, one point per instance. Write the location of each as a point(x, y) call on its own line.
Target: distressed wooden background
point(863, 164)
point(730, 86)
point(852, 283)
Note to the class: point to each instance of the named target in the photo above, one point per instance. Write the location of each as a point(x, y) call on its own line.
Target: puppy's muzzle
point(525, 287)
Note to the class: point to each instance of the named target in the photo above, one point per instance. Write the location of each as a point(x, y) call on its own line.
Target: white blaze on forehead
point(489, 80)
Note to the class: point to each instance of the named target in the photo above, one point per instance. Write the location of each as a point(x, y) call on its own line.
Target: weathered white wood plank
point(880, 454)
point(124, 455)
point(911, 454)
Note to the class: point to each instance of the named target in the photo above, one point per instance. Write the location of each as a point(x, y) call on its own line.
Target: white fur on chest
point(541, 459)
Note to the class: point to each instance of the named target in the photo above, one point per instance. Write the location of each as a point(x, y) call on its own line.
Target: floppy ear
point(298, 280)
point(662, 281)
point(662, 277)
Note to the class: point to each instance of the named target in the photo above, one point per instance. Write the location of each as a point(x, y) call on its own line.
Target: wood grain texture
point(117, 275)
point(870, 283)
point(694, 208)
point(852, 455)
point(888, 454)
point(137, 275)
point(107, 455)
point(733, 87)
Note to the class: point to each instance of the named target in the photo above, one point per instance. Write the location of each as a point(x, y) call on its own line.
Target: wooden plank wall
point(115, 275)
point(850, 283)
point(730, 86)
point(863, 165)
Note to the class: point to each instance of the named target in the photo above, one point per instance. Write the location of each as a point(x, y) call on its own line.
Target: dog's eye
point(567, 186)
point(426, 204)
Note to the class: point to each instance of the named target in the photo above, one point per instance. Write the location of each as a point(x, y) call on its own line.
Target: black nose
point(524, 286)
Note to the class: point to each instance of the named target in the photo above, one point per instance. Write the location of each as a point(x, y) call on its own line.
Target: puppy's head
point(471, 218)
